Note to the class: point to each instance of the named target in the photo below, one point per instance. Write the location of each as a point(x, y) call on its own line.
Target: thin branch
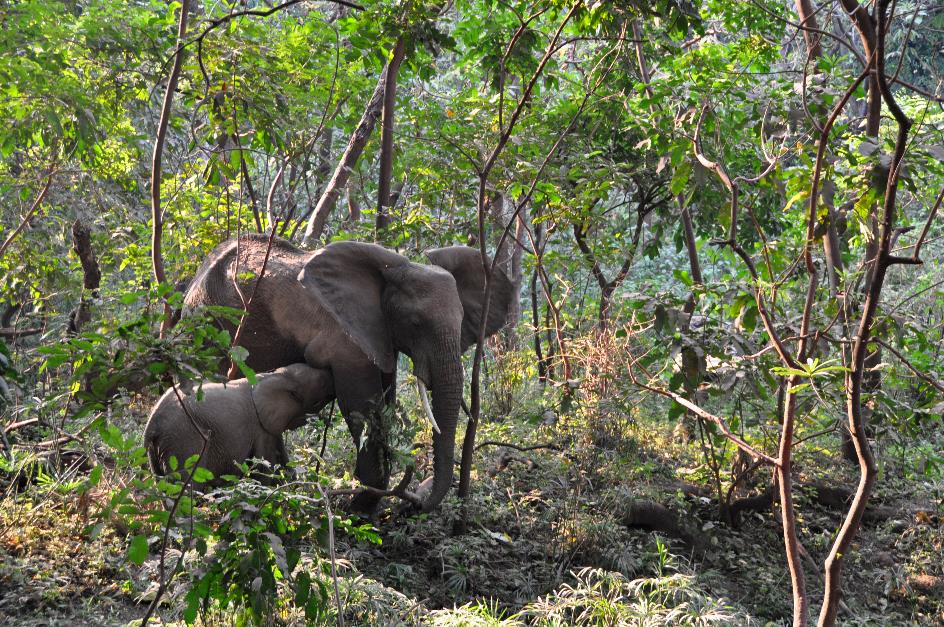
point(261, 13)
point(916, 255)
point(701, 413)
point(157, 261)
point(921, 375)
point(29, 214)
point(523, 449)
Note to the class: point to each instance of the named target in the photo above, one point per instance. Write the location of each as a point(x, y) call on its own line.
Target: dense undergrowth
point(550, 535)
point(703, 207)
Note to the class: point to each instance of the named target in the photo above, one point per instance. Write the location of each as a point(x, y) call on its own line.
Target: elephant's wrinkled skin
point(351, 307)
point(240, 420)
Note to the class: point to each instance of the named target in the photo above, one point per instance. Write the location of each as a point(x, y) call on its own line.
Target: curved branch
point(29, 214)
point(157, 261)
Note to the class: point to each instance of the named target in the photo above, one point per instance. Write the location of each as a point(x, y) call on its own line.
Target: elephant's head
point(283, 397)
point(465, 265)
point(385, 304)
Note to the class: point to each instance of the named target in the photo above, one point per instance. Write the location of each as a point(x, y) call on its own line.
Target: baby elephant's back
point(179, 430)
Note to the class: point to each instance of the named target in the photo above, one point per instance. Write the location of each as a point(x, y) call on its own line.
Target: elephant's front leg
point(360, 394)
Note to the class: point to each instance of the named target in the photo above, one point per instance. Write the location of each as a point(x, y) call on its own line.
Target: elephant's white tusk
point(421, 388)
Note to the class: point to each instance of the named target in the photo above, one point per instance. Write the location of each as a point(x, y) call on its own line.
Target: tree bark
point(342, 173)
point(157, 227)
point(386, 136)
point(91, 276)
point(29, 215)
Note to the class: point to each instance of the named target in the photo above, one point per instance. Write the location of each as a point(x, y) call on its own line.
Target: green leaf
point(202, 475)
point(782, 371)
point(111, 436)
point(138, 550)
point(680, 178)
point(803, 193)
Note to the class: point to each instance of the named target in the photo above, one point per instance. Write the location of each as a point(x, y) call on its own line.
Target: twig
point(916, 255)
point(260, 13)
point(29, 214)
point(523, 449)
point(13, 332)
point(13, 426)
point(932, 382)
point(333, 556)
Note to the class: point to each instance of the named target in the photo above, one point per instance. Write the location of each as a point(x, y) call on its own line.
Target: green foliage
point(251, 557)
point(609, 598)
point(598, 153)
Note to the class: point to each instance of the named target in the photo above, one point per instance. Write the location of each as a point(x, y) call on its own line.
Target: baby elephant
point(241, 420)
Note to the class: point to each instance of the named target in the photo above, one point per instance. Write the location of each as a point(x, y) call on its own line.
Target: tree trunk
point(157, 227)
point(536, 321)
point(688, 232)
point(386, 136)
point(508, 259)
point(342, 173)
point(517, 276)
point(91, 276)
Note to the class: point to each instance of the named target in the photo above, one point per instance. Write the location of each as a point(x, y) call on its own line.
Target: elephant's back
point(277, 293)
point(213, 282)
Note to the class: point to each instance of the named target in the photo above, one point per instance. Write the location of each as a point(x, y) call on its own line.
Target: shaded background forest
point(704, 206)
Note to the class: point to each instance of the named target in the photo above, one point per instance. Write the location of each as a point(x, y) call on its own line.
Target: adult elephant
point(351, 307)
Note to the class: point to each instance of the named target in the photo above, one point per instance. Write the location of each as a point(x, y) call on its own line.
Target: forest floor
point(536, 519)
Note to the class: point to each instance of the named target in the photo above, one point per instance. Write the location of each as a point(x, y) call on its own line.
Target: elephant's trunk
point(446, 386)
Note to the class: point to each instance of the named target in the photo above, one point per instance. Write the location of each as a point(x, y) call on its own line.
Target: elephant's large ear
point(347, 279)
point(465, 265)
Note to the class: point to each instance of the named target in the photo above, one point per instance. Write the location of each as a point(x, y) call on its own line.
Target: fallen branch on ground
point(13, 332)
point(523, 449)
point(399, 491)
point(13, 426)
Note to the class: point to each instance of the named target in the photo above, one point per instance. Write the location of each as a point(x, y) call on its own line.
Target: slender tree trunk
point(508, 253)
point(348, 161)
point(868, 36)
point(641, 58)
point(536, 321)
point(468, 444)
point(691, 246)
point(157, 227)
point(784, 473)
point(882, 260)
point(517, 277)
point(552, 345)
point(386, 136)
point(808, 19)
